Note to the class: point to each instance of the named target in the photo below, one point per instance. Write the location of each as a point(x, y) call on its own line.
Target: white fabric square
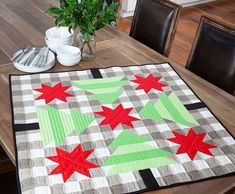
point(96, 136)
point(127, 177)
point(176, 168)
point(216, 126)
point(127, 105)
point(200, 164)
point(229, 140)
point(187, 92)
point(26, 87)
point(71, 187)
point(28, 97)
point(155, 172)
point(164, 65)
point(163, 127)
point(64, 74)
point(34, 137)
point(223, 160)
point(72, 140)
point(44, 75)
point(102, 152)
point(25, 77)
point(85, 109)
point(182, 158)
point(55, 179)
point(206, 114)
point(179, 82)
point(81, 98)
point(85, 72)
point(42, 189)
point(39, 171)
point(100, 182)
point(37, 153)
point(172, 73)
point(142, 130)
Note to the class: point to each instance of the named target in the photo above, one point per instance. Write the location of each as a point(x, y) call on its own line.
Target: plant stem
point(89, 47)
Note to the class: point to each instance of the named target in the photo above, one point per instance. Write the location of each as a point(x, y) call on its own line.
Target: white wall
point(128, 6)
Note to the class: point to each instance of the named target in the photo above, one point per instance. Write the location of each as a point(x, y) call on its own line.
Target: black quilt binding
point(146, 174)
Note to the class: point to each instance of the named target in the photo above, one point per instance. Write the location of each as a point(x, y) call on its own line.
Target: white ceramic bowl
point(56, 33)
point(68, 51)
point(69, 62)
point(53, 45)
point(69, 58)
point(60, 41)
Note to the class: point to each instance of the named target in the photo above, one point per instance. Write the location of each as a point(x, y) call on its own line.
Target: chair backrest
point(154, 24)
point(212, 55)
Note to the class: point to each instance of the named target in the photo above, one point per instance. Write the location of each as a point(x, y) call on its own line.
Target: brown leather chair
point(213, 53)
point(154, 24)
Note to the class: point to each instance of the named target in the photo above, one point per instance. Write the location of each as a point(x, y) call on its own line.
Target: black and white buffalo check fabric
point(34, 166)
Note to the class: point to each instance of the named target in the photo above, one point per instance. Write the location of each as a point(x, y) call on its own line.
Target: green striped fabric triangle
point(137, 147)
point(98, 85)
point(170, 108)
point(56, 125)
point(140, 165)
point(80, 121)
point(133, 152)
point(45, 126)
point(107, 97)
point(181, 108)
point(127, 137)
point(104, 89)
point(150, 112)
point(134, 156)
point(79, 83)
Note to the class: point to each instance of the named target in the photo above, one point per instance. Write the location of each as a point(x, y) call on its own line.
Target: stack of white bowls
point(58, 36)
point(68, 55)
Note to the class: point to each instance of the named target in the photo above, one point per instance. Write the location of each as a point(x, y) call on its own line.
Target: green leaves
point(87, 15)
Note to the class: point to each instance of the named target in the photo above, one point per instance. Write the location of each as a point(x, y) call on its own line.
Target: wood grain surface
point(188, 23)
point(24, 22)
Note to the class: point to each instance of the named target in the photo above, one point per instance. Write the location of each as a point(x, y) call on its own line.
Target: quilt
point(114, 130)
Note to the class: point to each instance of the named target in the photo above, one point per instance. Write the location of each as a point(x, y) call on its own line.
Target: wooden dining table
point(24, 23)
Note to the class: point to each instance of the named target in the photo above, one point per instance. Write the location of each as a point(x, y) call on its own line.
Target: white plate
point(49, 64)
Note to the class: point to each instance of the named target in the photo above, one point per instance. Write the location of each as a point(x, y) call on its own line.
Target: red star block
point(54, 92)
point(192, 143)
point(117, 116)
point(148, 83)
point(71, 162)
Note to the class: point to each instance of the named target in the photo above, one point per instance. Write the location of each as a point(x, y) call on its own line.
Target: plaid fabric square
point(66, 144)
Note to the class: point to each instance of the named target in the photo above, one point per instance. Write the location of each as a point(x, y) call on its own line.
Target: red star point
point(55, 92)
point(192, 143)
point(114, 117)
point(71, 162)
point(148, 83)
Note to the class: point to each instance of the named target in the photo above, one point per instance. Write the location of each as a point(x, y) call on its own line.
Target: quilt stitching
point(158, 129)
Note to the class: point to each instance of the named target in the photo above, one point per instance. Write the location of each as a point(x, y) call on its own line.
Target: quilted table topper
point(114, 130)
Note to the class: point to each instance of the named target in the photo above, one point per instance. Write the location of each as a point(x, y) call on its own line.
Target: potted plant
point(87, 16)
